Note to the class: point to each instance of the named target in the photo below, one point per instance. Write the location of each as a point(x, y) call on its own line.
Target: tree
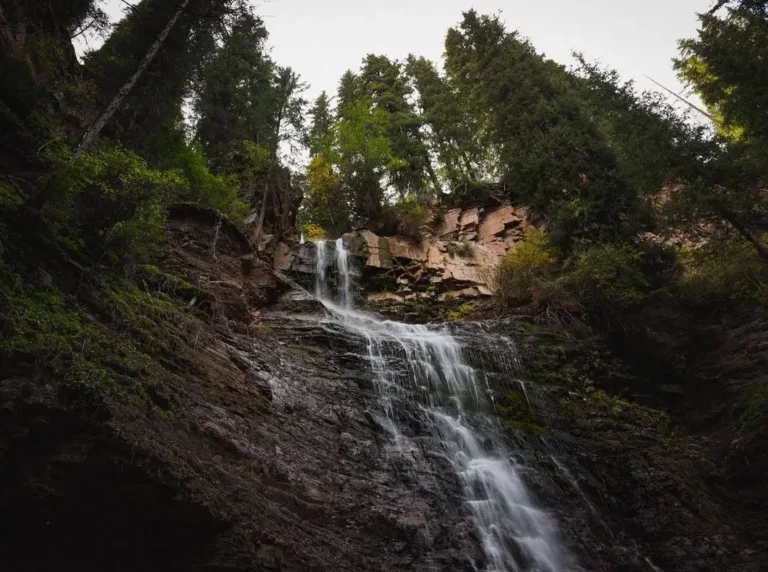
point(549, 152)
point(320, 137)
point(236, 96)
point(452, 134)
point(652, 143)
point(362, 153)
point(247, 109)
point(93, 131)
point(384, 84)
point(151, 61)
point(727, 65)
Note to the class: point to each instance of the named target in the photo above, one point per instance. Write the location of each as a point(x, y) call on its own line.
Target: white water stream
point(424, 367)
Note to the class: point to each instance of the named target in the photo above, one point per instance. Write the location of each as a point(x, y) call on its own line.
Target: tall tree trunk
point(94, 130)
point(433, 178)
point(743, 230)
point(262, 215)
point(272, 160)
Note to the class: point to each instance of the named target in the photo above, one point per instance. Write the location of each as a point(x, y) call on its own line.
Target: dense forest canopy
point(183, 103)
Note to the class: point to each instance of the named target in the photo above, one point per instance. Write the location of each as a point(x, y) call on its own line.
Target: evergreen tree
point(320, 134)
point(452, 134)
point(150, 117)
point(383, 82)
point(727, 65)
point(551, 156)
point(348, 92)
point(236, 94)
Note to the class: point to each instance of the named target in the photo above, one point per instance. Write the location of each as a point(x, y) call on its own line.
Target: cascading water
point(342, 266)
point(320, 266)
point(423, 369)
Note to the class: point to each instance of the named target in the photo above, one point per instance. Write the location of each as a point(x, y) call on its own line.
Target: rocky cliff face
point(454, 261)
point(254, 443)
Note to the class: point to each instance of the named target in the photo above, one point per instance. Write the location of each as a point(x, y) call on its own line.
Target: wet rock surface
point(263, 448)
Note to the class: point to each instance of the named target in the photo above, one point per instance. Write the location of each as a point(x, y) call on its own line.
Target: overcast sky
point(323, 38)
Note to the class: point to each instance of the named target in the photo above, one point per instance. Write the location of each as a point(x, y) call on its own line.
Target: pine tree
point(550, 154)
point(149, 118)
point(452, 135)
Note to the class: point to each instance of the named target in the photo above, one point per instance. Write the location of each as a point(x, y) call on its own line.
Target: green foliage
point(218, 192)
point(725, 270)
point(411, 216)
point(726, 64)
point(320, 139)
point(325, 205)
point(538, 127)
point(109, 206)
point(237, 98)
point(150, 120)
point(453, 135)
point(527, 273)
point(608, 276)
point(652, 143)
point(460, 312)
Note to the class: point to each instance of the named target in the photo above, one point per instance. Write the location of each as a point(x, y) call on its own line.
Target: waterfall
point(342, 266)
point(423, 368)
point(320, 265)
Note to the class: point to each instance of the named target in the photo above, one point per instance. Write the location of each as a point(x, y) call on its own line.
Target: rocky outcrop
point(454, 260)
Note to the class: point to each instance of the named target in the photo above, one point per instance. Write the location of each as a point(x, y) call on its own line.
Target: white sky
point(321, 39)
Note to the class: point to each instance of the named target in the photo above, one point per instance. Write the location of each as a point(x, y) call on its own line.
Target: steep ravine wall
point(252, 445)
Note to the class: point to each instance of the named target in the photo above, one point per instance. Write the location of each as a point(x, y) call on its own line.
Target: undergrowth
point(113, 353)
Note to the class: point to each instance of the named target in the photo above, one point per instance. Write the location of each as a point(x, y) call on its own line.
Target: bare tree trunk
point(262, 215)
point(94, 130)
point(272, 160)
point(742, 229)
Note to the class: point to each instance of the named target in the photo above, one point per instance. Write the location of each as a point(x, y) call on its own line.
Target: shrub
point(527, 274)
point(608, 280)
point(313, 232)
point(460, 312)
point(724, 269)
point(110, 205)
point(461, 249)
point(411, 216)
point(218, 192)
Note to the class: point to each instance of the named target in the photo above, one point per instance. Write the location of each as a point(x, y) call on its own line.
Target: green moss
point(264, 330)
point(516, 413)
point(42, 331)
point(165, 282)
point(754, 411)
point(526, 427)
point(461, 312)
point(146, 316)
